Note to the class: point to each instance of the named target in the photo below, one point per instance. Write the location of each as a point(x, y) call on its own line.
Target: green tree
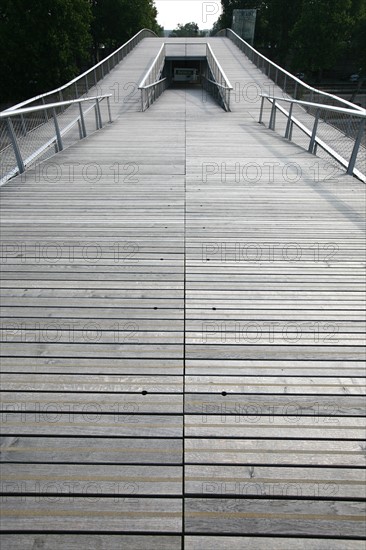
point(116, 21)
point(358, 37)
point(43, 43)
point(322, 33)
point(189, 29)
point(358, 44)
point(278, 20)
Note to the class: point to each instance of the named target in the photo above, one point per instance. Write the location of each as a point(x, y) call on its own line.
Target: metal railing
point(81, 85)
point(340, 129)
point(152, 85)
point(29, 125)
point(219, 78)
point(290, 84)
point(49, 137)
point(348, 161)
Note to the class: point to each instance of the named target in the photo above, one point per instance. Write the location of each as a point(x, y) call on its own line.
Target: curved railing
point(215, 80)
point(152, 85)
point(32, 129)
point(220, 80)
point(337, 123)
point(289, 83)
point(349, 157)
point(26, 151)
point(81, 85)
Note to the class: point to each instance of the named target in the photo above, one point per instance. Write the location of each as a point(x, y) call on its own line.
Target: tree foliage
point(42, 44)
point(115, 21)
point(306, 34)
point(189, 29)
point(45, 43)
point(322, 33)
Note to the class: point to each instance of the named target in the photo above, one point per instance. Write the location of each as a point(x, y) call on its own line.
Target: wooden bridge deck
point(182, 335)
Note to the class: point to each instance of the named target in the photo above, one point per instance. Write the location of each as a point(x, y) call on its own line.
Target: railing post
point(313, 136)
point(15, 145)
point(82, 121)
point(80, 130)
point(272, 120)
point(356, 147)
point(58, 133)
point(261, 111)
point(24, 128)
point(45, 111)
point(289, 123)
point(109, 110)
point(98, 115)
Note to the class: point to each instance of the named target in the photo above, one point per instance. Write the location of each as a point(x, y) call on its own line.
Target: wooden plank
point(76, 480)
point(92, 424)
point(125, 403)
point(295, 452)
point(276, 482)
point(286, 517)
point(101, 514)
point(91, 450)
point(262, 543)
point(94, 542)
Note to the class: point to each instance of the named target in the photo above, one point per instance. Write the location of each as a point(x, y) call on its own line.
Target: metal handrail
point(74, 90)
point(153, 66)
point(115, 57)
point(56, 140)
point(229, 86)
point(154, 83)
point(314, 138)
point(151, 91)
point(217, 84)
point(220, 78)
point(252, 53)
point(15, 112)
point(360, 113)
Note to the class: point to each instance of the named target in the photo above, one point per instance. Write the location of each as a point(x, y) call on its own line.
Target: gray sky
point(202, 12)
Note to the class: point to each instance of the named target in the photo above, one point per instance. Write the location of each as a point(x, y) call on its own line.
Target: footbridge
point(183, 307)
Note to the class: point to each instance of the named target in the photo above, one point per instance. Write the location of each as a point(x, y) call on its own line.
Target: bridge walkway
point(183, 333)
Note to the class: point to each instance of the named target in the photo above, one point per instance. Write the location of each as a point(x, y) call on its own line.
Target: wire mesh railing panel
point(36, 134)
point(338, 130)
point(7, 159)
point(329, 132)
point(223, 85)
point(35, 130)
point(289, 83)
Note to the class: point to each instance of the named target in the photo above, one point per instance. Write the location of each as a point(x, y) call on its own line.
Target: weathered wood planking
point(183, 332)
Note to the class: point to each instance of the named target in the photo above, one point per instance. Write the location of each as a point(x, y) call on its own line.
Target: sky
point(172, 12)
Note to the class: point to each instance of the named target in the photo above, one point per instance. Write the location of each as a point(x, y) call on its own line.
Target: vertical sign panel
point(244, 24)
